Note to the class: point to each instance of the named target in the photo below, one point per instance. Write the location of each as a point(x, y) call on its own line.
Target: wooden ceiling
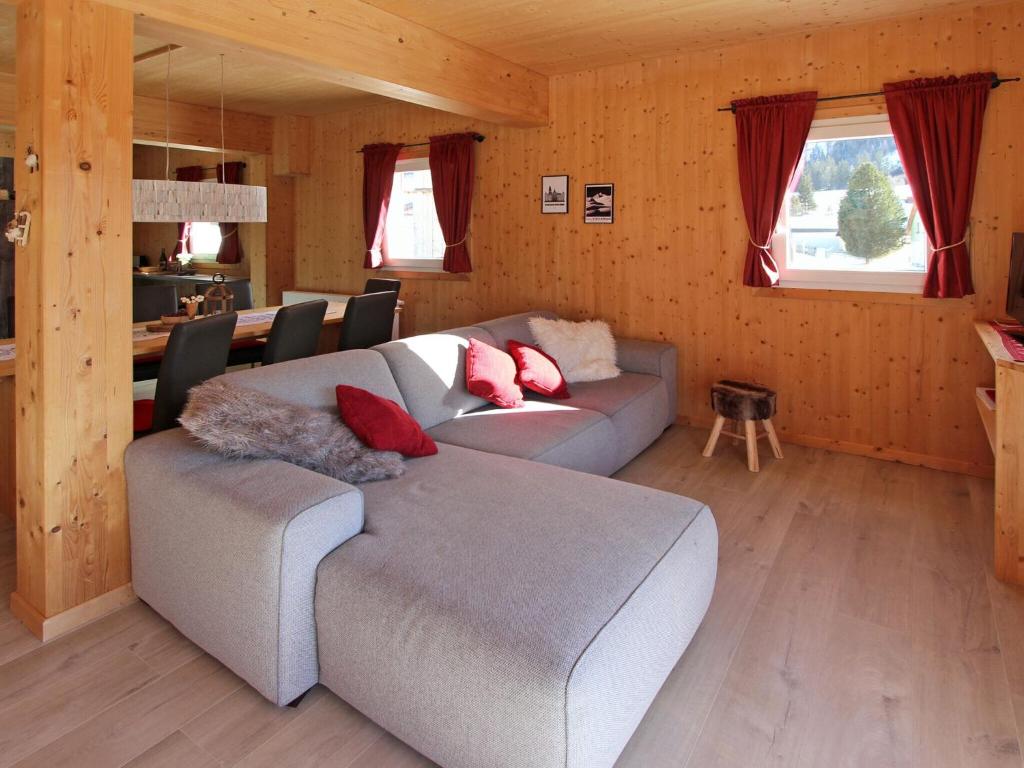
point(558, 36)
point(195, 79)
point(548, 37)
point(248, 86)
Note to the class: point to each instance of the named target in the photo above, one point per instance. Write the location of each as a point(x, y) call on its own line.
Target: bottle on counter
point(163, 259)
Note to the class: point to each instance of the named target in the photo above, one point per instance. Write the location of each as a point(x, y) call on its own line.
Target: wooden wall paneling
point(279, 271)
point(293, 140)
point(888, 376)
point(73, 369)
point(8, 495)
point(190, 126)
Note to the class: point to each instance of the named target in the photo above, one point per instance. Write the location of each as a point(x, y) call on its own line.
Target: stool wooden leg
point(716, 430)
point(773, 438)
point(750, 427)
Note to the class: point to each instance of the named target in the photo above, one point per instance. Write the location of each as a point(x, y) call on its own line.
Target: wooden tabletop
point(147, 343)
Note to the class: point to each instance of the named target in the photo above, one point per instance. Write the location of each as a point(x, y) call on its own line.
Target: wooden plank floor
point(855, 623)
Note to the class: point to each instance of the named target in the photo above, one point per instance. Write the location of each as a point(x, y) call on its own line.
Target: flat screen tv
point(1015, 288)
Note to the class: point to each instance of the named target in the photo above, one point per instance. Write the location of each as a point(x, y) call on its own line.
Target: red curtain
point(186, 173)
point(378, 178)
point(230, 245)
point(451, 172)
point(937, 126)
point(770, 135)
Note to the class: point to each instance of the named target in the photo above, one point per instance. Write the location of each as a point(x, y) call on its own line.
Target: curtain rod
point(996, 82)
point(476, 137)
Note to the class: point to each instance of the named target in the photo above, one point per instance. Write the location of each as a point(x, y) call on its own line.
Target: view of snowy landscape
point(852, 209)
point(413, 231)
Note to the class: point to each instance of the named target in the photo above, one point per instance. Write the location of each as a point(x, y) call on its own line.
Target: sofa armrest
point(228, 550)
point(655, 358)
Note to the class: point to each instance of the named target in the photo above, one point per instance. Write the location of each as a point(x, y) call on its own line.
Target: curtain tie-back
point(949, 247)
point(454, 245)
point(766, 247)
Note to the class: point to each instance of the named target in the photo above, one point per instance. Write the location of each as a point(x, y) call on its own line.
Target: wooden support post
point(73, 369)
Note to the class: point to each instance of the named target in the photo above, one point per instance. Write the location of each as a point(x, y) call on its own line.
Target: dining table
point(252, 324)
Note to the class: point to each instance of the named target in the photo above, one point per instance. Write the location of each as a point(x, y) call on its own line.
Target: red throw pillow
point(538, 371)
point(491, 374)
point(382, 424)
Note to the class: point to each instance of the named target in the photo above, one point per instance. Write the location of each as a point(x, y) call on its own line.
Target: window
point(413, 233)
point(204, 239)
point(850, 223)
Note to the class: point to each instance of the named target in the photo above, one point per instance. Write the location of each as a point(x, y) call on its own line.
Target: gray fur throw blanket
point(246, 424)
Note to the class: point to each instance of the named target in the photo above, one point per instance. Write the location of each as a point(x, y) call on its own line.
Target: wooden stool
point(747, 403)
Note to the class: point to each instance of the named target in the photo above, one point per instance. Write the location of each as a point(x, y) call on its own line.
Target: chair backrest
point(382, 285)
point(368, 321)
point(295, 332)
point(195, 352)
point(151, 300)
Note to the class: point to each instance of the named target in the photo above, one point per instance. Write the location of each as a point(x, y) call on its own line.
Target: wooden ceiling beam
point(191, 125)
point(356, 45)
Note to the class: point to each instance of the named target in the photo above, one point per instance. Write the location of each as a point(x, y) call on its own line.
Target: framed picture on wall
point(599, 203)
point(554, 194)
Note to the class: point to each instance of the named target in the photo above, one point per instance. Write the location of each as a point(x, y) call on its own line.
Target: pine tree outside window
point(851, 222)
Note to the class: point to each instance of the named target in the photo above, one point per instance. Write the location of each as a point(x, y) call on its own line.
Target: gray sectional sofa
point(500, 605)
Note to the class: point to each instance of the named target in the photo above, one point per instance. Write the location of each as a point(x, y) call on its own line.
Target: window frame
point(861, 126)
point(412, 162)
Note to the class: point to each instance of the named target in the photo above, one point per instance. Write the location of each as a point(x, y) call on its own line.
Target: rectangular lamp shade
point(154, 200)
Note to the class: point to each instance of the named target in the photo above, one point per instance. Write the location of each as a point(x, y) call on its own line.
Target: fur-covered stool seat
point(747, 404)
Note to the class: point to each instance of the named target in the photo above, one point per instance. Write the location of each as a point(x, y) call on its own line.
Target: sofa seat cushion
point(523, 616)
point(636, 403)
point(544, 431)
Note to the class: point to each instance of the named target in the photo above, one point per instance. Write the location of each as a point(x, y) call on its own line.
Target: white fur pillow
point(584, 351)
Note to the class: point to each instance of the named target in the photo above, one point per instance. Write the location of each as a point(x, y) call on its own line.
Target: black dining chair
point(195, 352)
point(368, 320)
point(152, 300)
point(382, 285)
point(294, 334)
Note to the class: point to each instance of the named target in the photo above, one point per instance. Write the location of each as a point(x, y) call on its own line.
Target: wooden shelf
point(994, 344)
point(988, 415)
point(1004, 426)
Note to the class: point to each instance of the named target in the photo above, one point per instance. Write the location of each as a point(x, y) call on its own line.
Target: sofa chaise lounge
point(500, 605)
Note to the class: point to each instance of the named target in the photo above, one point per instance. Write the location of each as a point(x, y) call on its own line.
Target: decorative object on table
point(554, 194)
point(184, 201)
point(166, 320)
point(219, 298)
point(749, 404)
point(246, 424)
point(191, 304)
point(583, 351)
point(598, 203)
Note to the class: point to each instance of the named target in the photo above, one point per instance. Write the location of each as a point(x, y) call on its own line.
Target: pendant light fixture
point(177, 201)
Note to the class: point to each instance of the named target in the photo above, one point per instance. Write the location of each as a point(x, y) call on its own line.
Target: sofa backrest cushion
point(312, 380)
point(513, 328)
point(431, 373)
